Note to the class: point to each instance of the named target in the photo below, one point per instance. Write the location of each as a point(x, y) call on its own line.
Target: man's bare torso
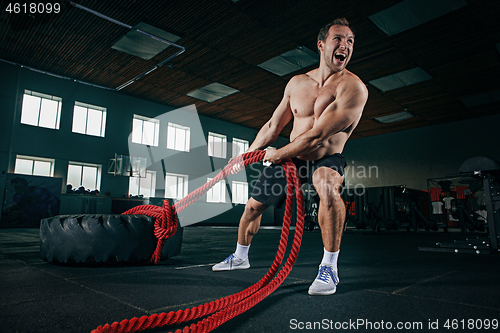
point(307, 102)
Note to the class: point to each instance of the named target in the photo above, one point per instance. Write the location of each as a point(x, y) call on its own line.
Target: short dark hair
point(339, 21)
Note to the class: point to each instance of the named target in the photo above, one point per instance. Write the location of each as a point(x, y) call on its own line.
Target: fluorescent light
point(212, 92)
point(401, 79)
point(481, 99)
point(411, 13)
point(290, 61)
point(141, 45)
point(395, 117)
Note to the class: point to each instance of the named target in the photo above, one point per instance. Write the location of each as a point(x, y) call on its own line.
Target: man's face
point(337, 47)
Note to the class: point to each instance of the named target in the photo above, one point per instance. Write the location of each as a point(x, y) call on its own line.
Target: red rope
point(231, 306)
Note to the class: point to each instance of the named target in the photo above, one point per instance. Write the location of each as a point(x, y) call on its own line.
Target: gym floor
point(385, 282)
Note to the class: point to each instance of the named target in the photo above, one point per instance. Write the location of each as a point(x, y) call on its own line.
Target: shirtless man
point(326, 105)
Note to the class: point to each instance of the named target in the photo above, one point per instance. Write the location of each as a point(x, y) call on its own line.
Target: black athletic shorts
point(270, 188)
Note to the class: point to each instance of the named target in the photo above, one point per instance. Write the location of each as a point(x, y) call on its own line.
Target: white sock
point(242, 250)
point(330, 258)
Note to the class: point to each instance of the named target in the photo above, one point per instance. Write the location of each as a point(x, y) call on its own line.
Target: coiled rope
point(231, 306)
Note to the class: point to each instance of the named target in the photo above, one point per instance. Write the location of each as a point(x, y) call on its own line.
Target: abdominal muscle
point(332, 145)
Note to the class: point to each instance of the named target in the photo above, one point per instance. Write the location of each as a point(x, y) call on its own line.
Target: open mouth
point(340, 56)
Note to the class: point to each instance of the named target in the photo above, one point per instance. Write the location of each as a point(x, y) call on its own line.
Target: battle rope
point(231, 306)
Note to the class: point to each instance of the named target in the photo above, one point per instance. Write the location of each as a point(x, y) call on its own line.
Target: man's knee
point(254, 209)
point(328, 184)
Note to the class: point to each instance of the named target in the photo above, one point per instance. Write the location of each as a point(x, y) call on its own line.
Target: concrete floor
point(385, 282)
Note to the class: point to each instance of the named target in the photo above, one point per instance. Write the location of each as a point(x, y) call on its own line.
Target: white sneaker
point(326, 282)
point(231, 263)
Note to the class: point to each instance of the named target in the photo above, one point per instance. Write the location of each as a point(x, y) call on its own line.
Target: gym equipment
point(416, 210)
point(454, 196)
point(89, 239)
point(311, 202)
point(387, 212)
point(468, 220)
point(375, 218)
point(227, 308)
point(350, 216)
point(479, 172)
point(122, 165)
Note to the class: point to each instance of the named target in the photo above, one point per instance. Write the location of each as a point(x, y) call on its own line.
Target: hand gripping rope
point(231, 306)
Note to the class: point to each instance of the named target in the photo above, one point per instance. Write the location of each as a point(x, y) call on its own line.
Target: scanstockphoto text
point(358, 172)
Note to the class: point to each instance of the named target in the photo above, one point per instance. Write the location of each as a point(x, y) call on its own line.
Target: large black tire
point(102, 238)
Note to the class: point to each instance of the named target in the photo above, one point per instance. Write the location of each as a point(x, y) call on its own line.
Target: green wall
point(63, 145)
point(411, 157)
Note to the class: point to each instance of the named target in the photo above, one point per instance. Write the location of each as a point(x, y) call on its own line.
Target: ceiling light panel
point(411, 13)
point(395, 117)
point(291, 61)
point(401, 79)
point(481, 99)
point(212, 92)
point(141, 45)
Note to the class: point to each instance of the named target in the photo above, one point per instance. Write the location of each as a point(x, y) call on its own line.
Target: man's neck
point(325, 75)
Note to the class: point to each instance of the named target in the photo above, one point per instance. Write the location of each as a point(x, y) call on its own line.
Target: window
point(217, 145)
point(240, 192)
point(239, 146)
point(218, 192)
point(145, 130)
point(89, 119)
point(143, 186)
point(41, 110)
point(178, 137)
point(83, 174)
point(176, 186)
point(36, 166)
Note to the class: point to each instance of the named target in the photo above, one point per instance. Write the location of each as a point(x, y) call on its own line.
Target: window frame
point(94, 108)
point(41, 96)
point(185, 179)
point(34, 159)
point(211, 144)
point(245, 143)
point(233, 192)
point(222, 192)
point(187, 137)
point(83, 165)
point(139, 187)
point(156, 136)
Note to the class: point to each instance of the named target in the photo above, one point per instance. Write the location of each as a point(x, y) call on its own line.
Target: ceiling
point(224, 42)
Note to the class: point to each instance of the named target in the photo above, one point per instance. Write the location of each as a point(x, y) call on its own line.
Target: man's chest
point(311, 101)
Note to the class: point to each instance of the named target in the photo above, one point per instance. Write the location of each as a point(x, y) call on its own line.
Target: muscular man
point(326, 105)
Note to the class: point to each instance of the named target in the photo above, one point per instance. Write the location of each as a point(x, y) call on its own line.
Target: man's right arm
point(273, 127)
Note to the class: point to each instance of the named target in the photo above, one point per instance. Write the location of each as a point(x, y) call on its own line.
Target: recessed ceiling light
point(212, 92)
point(141, 45)
point(411, 13)
point(481, 99)
point(291, 61)
point(401, 79)
point(395, 117)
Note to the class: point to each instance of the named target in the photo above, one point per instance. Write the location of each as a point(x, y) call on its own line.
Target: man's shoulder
point(352, 81)
point(351, 77)
point(297, 82)
point(300, 78)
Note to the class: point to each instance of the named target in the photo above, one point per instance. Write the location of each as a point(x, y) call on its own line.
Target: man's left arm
point(337, 117)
